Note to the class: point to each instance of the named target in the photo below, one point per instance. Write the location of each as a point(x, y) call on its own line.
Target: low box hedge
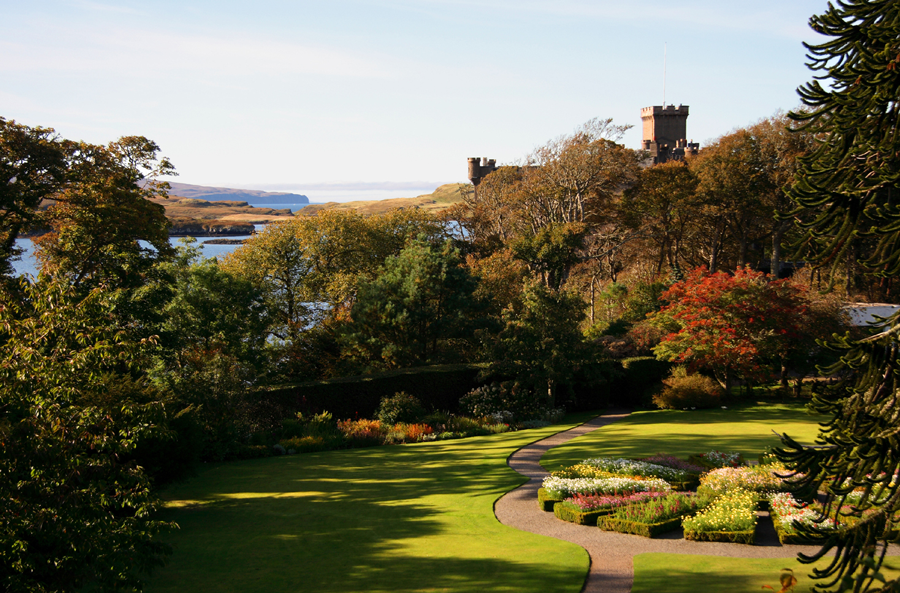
point(545, 502)
point(572, 514)
point(634, 528)
point(735, 537)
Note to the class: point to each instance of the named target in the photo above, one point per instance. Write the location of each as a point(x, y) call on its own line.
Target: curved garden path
point(612, 569)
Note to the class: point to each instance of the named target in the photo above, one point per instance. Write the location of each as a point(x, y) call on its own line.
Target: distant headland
point(213, 194)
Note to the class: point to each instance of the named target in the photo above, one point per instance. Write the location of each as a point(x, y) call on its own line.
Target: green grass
point(682, 573)
point(403, 518)
point(746, 429)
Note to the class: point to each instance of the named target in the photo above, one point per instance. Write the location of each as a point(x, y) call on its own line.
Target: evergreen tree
point(844, 193)
point(419, 310)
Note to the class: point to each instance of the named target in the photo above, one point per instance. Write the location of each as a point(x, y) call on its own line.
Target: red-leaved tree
point(735, 326)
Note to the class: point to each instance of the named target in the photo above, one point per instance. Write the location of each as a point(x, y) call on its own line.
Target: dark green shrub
point(508, 396)
point(308, 444)
point(400, 407)
point(689, 391)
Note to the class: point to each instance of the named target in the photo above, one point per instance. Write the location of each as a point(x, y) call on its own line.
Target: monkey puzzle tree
point(846, 190)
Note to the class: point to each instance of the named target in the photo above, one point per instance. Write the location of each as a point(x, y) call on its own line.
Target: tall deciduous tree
point(32, 167)
point(74, 513)
point(310, 268)
point(665, 206)
point(733, 326)
point(101, 213)
point(846, 189)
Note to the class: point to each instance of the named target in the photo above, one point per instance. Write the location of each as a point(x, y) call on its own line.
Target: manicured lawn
point(402, 518)
point(746, 429)
point(681, 573)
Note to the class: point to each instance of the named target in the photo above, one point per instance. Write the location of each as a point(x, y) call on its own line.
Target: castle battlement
point(662, 111)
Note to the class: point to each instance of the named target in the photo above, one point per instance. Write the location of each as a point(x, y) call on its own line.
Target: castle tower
point(479, 169)
point(665, 133)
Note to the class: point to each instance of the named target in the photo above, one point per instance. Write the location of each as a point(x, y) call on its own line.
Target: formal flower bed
point(730, 518)
point(788, 514)
point(716, 459)
point(630, 467)
point(562, 488)
point(674, 462)
point(653, 517)
point(761, 480)
point(584, 509)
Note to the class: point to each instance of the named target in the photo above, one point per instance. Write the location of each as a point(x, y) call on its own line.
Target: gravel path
point(612, 569)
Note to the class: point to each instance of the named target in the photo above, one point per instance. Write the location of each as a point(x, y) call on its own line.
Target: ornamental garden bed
point(717, 459)
point(586, 509)
point(653, 517)
point(787, 513)
point(730, 518)
point(762, 481)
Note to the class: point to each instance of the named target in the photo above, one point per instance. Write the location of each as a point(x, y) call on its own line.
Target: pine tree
point(846, 193)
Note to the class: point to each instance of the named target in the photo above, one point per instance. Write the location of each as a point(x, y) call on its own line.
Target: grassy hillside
point(437, 201)
point(181, 208)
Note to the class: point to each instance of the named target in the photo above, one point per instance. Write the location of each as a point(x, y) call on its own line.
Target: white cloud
point(153, 53)
point(765, 17)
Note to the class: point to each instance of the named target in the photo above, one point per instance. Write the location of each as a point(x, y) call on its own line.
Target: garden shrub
point(688, 391)
point(407, 433)
point(362, 433)
point(507, 397)
point(308, 444)
point(400, 407)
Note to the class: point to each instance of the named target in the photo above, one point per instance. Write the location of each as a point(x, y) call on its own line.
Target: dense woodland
point(124, 366)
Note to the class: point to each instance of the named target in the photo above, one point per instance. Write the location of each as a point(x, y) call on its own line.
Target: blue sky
point(388, 94)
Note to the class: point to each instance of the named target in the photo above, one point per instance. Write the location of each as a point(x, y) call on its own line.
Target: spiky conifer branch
point(847, 189)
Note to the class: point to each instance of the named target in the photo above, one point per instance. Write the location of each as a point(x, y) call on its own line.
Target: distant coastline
point(216, 194)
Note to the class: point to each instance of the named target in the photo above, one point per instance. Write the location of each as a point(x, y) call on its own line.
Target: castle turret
point(479, 168)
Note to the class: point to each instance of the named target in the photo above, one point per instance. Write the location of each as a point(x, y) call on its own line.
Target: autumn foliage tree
point(734, 326)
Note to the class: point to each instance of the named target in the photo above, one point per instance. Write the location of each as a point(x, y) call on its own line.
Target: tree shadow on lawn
point(409, 518)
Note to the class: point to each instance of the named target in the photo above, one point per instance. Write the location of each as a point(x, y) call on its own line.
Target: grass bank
point(401, 519)
point(747, 429)
point(681, 573)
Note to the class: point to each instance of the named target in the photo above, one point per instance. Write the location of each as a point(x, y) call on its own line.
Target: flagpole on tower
point(665, 48)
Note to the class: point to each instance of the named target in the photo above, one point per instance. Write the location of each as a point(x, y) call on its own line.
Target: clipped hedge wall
point(569, 512)
point(634, 528)
point(635, 377)
point(546, 502)
point(438, 387)
point(734, 537)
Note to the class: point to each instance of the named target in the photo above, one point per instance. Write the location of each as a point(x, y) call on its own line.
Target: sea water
point(28, 264)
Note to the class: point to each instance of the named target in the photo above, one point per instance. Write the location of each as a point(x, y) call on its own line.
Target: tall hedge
point(636, 376)
point(438, 387)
